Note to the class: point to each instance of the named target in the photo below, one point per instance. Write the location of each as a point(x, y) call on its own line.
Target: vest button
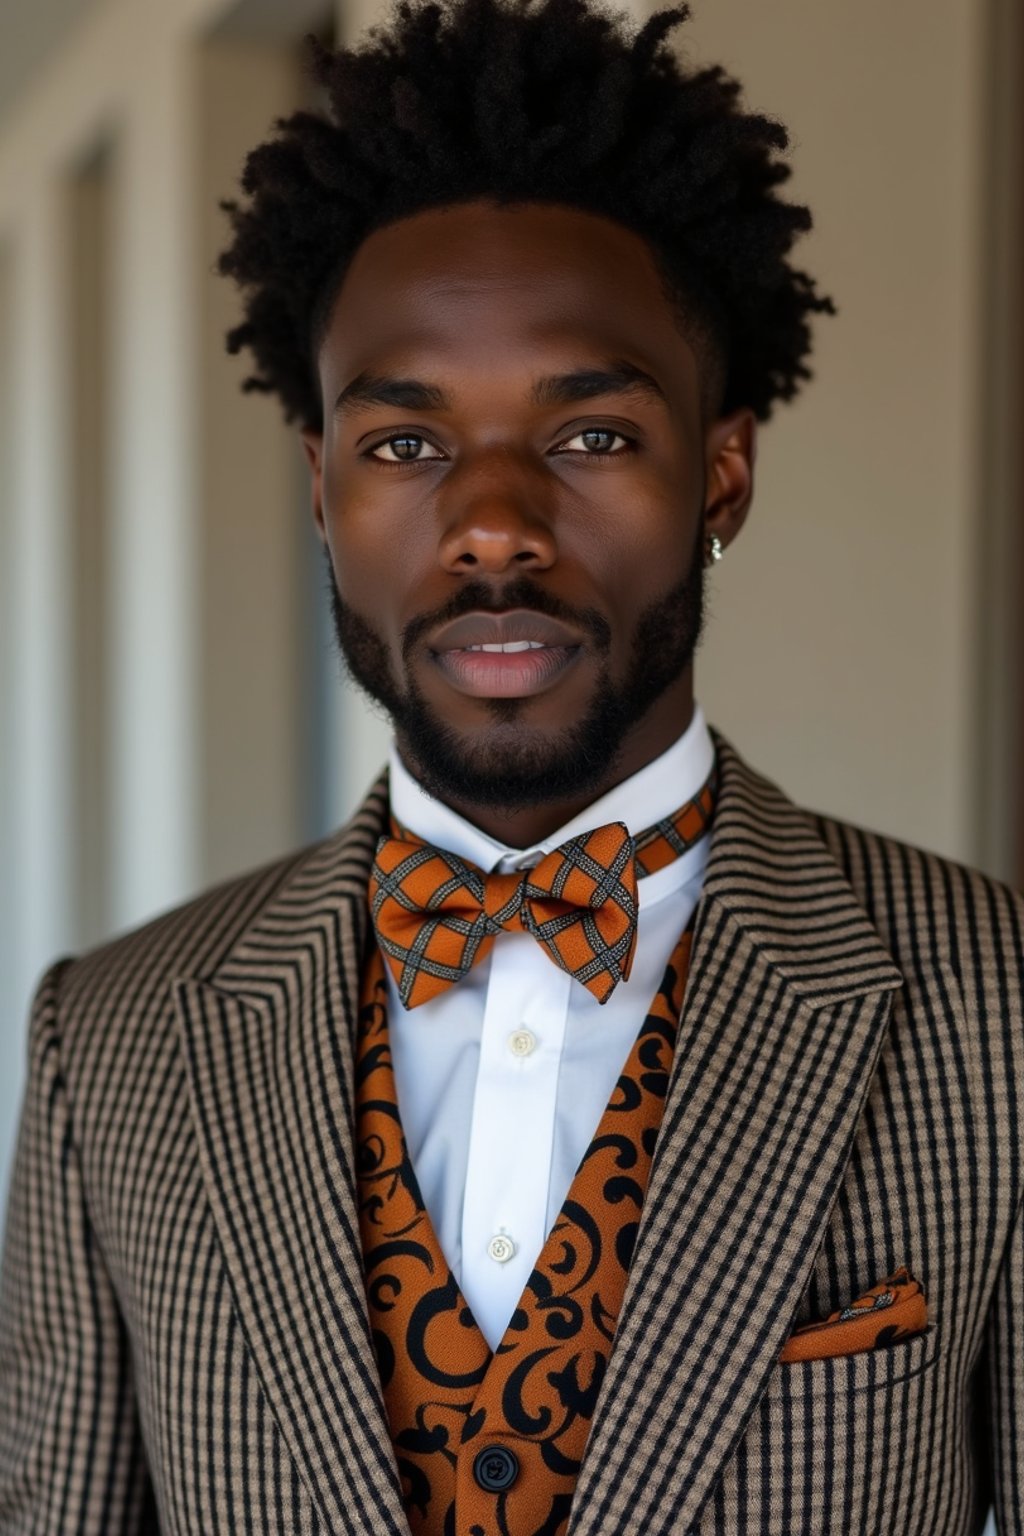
point(495, 1468)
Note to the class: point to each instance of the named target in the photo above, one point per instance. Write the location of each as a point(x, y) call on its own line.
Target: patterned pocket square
point(893, 1309)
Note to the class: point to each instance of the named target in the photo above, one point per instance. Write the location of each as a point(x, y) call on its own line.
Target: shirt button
point(500, 1248)
point(522, 1042)
point(495, 1468)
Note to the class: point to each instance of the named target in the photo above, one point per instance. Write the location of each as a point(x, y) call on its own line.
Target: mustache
point(523, 592)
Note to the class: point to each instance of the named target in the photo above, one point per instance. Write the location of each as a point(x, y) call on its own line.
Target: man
point(585, 1137)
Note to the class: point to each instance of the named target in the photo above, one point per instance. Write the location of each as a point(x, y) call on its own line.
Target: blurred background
point(171, 709)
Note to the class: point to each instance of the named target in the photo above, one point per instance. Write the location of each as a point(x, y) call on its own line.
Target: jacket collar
point(786, 1009)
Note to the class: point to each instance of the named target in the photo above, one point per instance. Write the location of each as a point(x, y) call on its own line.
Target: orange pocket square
point(893, 1309)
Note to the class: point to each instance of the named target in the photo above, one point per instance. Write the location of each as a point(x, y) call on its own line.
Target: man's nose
point(495, 520)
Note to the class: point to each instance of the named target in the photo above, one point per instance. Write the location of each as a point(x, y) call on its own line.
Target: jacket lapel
point(268, 1052)
point(786, 1009)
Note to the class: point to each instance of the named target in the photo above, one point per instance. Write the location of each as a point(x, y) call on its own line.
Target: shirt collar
point(648, 795)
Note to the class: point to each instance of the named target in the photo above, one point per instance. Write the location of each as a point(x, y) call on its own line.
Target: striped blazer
point(183, 1334)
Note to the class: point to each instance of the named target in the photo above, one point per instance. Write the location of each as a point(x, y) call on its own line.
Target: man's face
point(513, 485)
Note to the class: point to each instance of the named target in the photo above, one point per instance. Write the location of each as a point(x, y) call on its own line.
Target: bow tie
point(437, 915)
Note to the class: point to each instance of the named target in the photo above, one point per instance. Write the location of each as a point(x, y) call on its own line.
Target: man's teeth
point(511, 645)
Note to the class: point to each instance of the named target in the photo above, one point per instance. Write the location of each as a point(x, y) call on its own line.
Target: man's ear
point(313, 445)
point(730, 452)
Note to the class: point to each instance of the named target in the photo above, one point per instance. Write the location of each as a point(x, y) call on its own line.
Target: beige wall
point(844, 653)
point(250, 721)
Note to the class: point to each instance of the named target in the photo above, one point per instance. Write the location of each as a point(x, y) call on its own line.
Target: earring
point(715, 550)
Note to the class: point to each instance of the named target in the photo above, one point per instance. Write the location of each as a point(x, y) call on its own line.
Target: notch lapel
point(267, 1043)
point(786, 1008)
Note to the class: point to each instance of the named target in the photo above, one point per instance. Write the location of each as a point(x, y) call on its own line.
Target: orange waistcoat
point(490, 1445)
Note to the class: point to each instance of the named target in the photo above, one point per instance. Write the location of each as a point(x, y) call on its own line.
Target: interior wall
point(37, 744)
point(251, 733)
point(842, 655)
point(10, 1082)
point(91, 297)
point(998, 530)
point(121, 72)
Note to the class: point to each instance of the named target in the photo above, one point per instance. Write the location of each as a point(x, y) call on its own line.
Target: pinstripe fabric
point(183, 1337)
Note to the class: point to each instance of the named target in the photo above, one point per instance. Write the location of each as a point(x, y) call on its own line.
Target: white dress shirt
point(502, 1080)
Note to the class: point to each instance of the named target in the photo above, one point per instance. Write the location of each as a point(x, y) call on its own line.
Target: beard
point(513, 766)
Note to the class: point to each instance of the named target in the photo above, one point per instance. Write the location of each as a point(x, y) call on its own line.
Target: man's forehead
point(426, 332)
point(482, 265)
point(478, 296)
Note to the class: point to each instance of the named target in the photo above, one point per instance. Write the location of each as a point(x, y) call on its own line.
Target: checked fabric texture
point(184, 1345)
point(448, 1398)
point(437, 915)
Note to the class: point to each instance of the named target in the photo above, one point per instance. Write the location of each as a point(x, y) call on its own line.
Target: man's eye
point(402, 449)
point(595, 440)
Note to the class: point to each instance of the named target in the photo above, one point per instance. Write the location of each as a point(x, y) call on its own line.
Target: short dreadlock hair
point(515, 101)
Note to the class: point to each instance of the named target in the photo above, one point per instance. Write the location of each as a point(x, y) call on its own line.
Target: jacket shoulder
point(119, 995)
point(929, 909)
point(130, 974)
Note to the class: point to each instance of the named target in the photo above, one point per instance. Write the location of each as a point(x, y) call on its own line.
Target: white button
point(522, 1042)
point(500, 1248)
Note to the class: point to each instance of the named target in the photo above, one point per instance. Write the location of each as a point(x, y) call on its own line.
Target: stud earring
point(715, 550)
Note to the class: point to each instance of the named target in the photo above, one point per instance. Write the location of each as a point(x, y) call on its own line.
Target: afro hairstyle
point(555, 101)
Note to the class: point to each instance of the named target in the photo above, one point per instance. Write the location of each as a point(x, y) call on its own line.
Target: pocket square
point(891, 1310)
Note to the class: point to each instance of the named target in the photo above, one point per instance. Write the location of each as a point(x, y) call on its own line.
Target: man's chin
point(505, 763)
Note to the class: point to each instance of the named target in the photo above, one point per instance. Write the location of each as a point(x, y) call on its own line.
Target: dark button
point(495, 1468)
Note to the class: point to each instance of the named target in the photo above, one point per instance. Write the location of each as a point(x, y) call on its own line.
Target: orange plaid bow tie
point(437, 915)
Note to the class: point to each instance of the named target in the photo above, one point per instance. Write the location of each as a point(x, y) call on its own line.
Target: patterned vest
point(491, 1445)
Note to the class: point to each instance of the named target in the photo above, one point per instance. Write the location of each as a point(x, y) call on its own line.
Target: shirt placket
point(513, 1128)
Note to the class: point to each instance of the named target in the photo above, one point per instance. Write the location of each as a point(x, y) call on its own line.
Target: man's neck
point(523, 827)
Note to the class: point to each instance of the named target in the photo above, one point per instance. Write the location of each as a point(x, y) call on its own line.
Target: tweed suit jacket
point(183, 1333)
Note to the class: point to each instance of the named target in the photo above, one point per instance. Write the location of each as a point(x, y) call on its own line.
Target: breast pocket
point(841, 1444)
point(846, 1377)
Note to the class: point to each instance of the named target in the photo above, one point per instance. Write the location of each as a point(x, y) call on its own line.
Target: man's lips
point(510, 628)
point(504, 655)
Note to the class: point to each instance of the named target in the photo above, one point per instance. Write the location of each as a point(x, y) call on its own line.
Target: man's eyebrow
point(368, 389)
point(618, 378)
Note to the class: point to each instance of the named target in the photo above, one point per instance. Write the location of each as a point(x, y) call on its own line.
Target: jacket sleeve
point(71, 1454)
point(1005, 1345)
